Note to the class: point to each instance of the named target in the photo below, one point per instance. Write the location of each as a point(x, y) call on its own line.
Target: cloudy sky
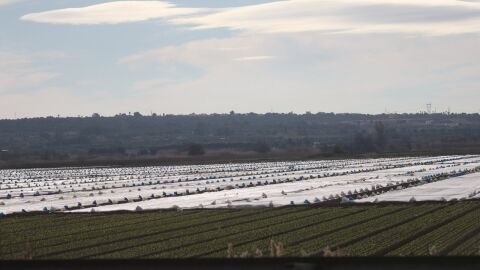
point(68, 58)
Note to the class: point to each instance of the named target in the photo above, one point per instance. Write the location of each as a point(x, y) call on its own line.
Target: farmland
point(241, 185)
point(369, 207)
point(386, 229)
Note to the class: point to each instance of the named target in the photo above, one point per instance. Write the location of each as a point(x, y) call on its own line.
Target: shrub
point(433, 251)
point(176, 207)
point(230, 251)
point(276, 249)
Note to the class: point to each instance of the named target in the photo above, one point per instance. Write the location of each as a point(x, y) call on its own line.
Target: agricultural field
point(384, 229)
point(270, 184)
point(375, 207)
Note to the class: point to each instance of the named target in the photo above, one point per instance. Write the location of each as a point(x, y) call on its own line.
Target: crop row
point(437, 240)
point(140, 235)
point(75, 243)
point(469, 247)
point(389, 237)
point(358, 230)
point(92, 226)
point(287, 233)
point(191, 240)
point(315, 245)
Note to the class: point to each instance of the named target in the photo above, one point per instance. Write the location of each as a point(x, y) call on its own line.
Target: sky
point(70, 58)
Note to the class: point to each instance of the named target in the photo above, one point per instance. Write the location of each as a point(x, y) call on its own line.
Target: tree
point(196, 150)
point(363, 143)
point(262, 148)
point(96, 115)
point(337, 149)
point(380, 134)
point(200, 129)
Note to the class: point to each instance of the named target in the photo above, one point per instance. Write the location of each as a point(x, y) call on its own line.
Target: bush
point(176, 207)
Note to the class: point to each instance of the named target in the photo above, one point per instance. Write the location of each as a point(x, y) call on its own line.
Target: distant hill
point(159, 136)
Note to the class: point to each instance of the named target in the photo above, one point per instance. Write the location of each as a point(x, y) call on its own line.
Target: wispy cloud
point(8, 2)
point(112, 13)
point(340, 73)
point(433, 17)
point(18, 71)
point(254, 58)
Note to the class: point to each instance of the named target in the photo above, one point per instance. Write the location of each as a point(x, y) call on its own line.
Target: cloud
point(434, 17)
point(9, 2)
point(254, 58)
point(204, 54)
point(324, 74)
point(111, 13)
point(150, 85)
point(18, 71)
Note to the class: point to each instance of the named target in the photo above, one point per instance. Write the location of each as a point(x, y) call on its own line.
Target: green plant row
point(77, 225)
point(286, 233)
point(435, 241)
point(357, 230)
point(339, 238)
point(468, 248)
point(61, 236)
point(162, 230)
point(219, 245)
point(387, 238)
point(74, 244)
point(89, 247)
point(194, 238)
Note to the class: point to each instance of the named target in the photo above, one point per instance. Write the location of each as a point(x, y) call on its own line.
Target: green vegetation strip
point(435, 241)
point(354, 230)
point(470, 246)
point(87, 229)
point(187, 240)
point(335, 238)
point(297, 228)
point(75, 243)
point(89, 247)
point(370, 246)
